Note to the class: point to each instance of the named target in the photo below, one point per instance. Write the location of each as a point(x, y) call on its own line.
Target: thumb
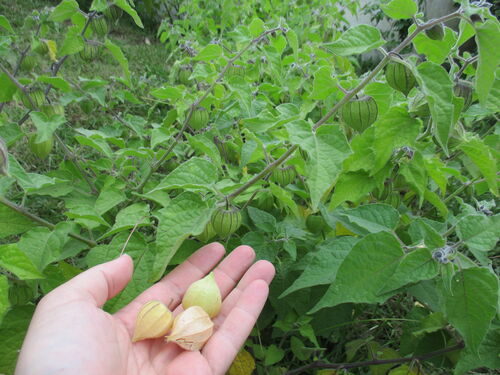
point(100, 283)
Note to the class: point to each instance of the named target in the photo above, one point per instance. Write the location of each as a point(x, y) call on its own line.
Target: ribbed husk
point(199, 118)
point(463, 89)
point(283, 176)
point(226, 222)
point(192, 329)
point(399, 77)
point(359, 114)
point(154, 320)
point(204, 293)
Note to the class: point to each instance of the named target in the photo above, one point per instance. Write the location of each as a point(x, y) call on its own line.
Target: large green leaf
point(124, 4)
point(14, 260)
point(364, 271)
point(351, 186)
point(395, 129)
point(210, 52)
point(471, 304)
point(483, 157)
point(12, 333)
point(488, 40)
point(136, 215)
point(324, 84)
point(415, 266)
point(185, 215)
point(64, 10)
point(46, 125)
point(42, 245)
point(12, 223)
point(356, 40)
point(120, 57)
point(400, 9)
point(196, 173)
point(435, 50)
point(479, 232)
point(327, 148)
point(323, 267)
point(438, 89)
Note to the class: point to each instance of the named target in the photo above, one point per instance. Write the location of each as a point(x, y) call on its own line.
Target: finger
point(170, 289)
point(262, 270)
point(98, 284)
point(225, 343)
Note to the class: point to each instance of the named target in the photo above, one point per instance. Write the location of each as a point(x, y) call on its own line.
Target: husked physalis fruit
point(204, 293)
point(192, 329)
point(154, 320)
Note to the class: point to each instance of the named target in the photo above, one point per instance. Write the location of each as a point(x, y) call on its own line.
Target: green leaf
point(356, 40)
point(484, 158)
point(196, 173)
point(415, 266)
point(4, 297)
point(64, 10)
point(471, 304)
point(46, 126)
point(369, 218)
point(415, 174)
point(186, 215)
point(210, 52)
point(42, 245)
point(57, 82)
point(119, 56)
point(327, 148)
point(364, 271)
point(4, 22)
point(136, 215)
point(438, 89)
point(111, 195)
point(273, 355)
point(400, 9)
point(256, 27)
point(435, 50)
point(12, 223)
point(480, 233)
point(264, 249)
point(293, 41)
point(487, 354)
point(324, 84)
point(14, 260)
point(204, 145)
point(124, 4)
point(12, 332)
point(73, 42)
point(351, 186)
point(167, 93)
point(8, 88)
point(323, 267)
point(285, 197)
point(394, 129)
point(262, 219)
point(488, 40)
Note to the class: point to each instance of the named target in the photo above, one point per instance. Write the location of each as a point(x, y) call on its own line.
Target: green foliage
point(382, 225)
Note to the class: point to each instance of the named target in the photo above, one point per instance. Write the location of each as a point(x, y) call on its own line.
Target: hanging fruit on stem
point(359, 114)
point(226, 221)
point(399, 77)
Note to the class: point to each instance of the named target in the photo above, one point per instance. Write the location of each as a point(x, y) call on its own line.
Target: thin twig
point(465, 65)
point(345, 366)
point(43, 222)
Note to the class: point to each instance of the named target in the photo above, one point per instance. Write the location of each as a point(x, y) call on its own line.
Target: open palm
point(71, 334)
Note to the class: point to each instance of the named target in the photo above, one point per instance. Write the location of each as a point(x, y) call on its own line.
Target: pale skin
point(71, 334)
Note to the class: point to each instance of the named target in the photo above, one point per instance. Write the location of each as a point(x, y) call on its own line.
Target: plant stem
point(19, 85)
point(348, 96)
point(344, 366)
point(465, 65)
point(196, 103)
point(43, 222)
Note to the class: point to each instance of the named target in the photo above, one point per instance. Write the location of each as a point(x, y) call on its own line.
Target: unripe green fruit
point(463, 89)
point(316, 224)
point(419, 107)
point(265, 202)
point(284, 176)
point(53, 109)
point(113, 12)
point(87, 106)
point(207, 234)
point(394, 199)
point(89, 52)
point(28, 63)
point(42, 149)
point(436, 32)
point(100, 26)
point(199, 118)
point(359, 114)
point(226, 222)
point(204, 293)
point(37, 97)
point(399, 77)
point(184, 74)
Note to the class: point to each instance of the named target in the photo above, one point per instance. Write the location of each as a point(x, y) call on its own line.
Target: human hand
point(71, 334)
